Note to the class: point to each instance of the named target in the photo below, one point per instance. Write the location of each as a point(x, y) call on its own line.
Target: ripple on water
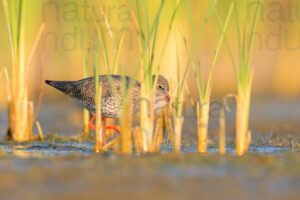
point(67, 149)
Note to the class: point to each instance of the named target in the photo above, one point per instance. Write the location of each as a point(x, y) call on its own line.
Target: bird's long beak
point(167, 97)
point(60, 85)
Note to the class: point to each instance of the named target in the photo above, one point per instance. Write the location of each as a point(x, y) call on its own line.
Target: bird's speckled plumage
point(83, 91)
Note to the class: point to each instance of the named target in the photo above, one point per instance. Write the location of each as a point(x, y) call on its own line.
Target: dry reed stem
point(137, 140)
point(112, 143)
point(168, 125)
point(144, 117)
point(243, 135)
point(133, 16)
point(222, 132)
point(19, 121)
point(202, 119)
point(99, 139)
point(146, 113)
point(158, 136)
point(21, 112)
point(106, 20)
point(42, 32)
point(178, 122)
point(190, 98)
point(167, 112)
point(86, 119)
point(126, 142)
point(40, 131)
point(39, 35)
point(151, 122)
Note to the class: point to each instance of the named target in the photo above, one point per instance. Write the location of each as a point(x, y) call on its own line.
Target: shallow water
point(64, 171)
point(58, 169)
point(37, 149)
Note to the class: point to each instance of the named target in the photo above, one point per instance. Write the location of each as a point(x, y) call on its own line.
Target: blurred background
point(275, 58)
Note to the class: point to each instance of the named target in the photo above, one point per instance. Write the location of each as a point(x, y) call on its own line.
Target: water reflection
point(67, 149)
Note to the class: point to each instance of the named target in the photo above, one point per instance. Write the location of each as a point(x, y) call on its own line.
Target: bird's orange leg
point(116, 128)
point(93, 127)
point(91, 124)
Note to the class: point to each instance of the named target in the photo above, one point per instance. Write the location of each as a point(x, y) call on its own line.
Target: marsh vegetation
point(205, 128)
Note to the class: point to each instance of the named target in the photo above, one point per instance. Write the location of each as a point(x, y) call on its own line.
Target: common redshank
point(83, 91)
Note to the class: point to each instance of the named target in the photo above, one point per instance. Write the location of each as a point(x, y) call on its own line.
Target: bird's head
point(161, 95)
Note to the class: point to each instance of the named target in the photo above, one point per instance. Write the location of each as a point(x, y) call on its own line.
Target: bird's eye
point(160, 87)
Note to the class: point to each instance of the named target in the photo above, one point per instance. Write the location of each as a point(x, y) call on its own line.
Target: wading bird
point(112, 106)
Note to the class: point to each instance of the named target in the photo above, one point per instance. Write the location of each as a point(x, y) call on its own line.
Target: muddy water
point(165, 176)
point(63, 169)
